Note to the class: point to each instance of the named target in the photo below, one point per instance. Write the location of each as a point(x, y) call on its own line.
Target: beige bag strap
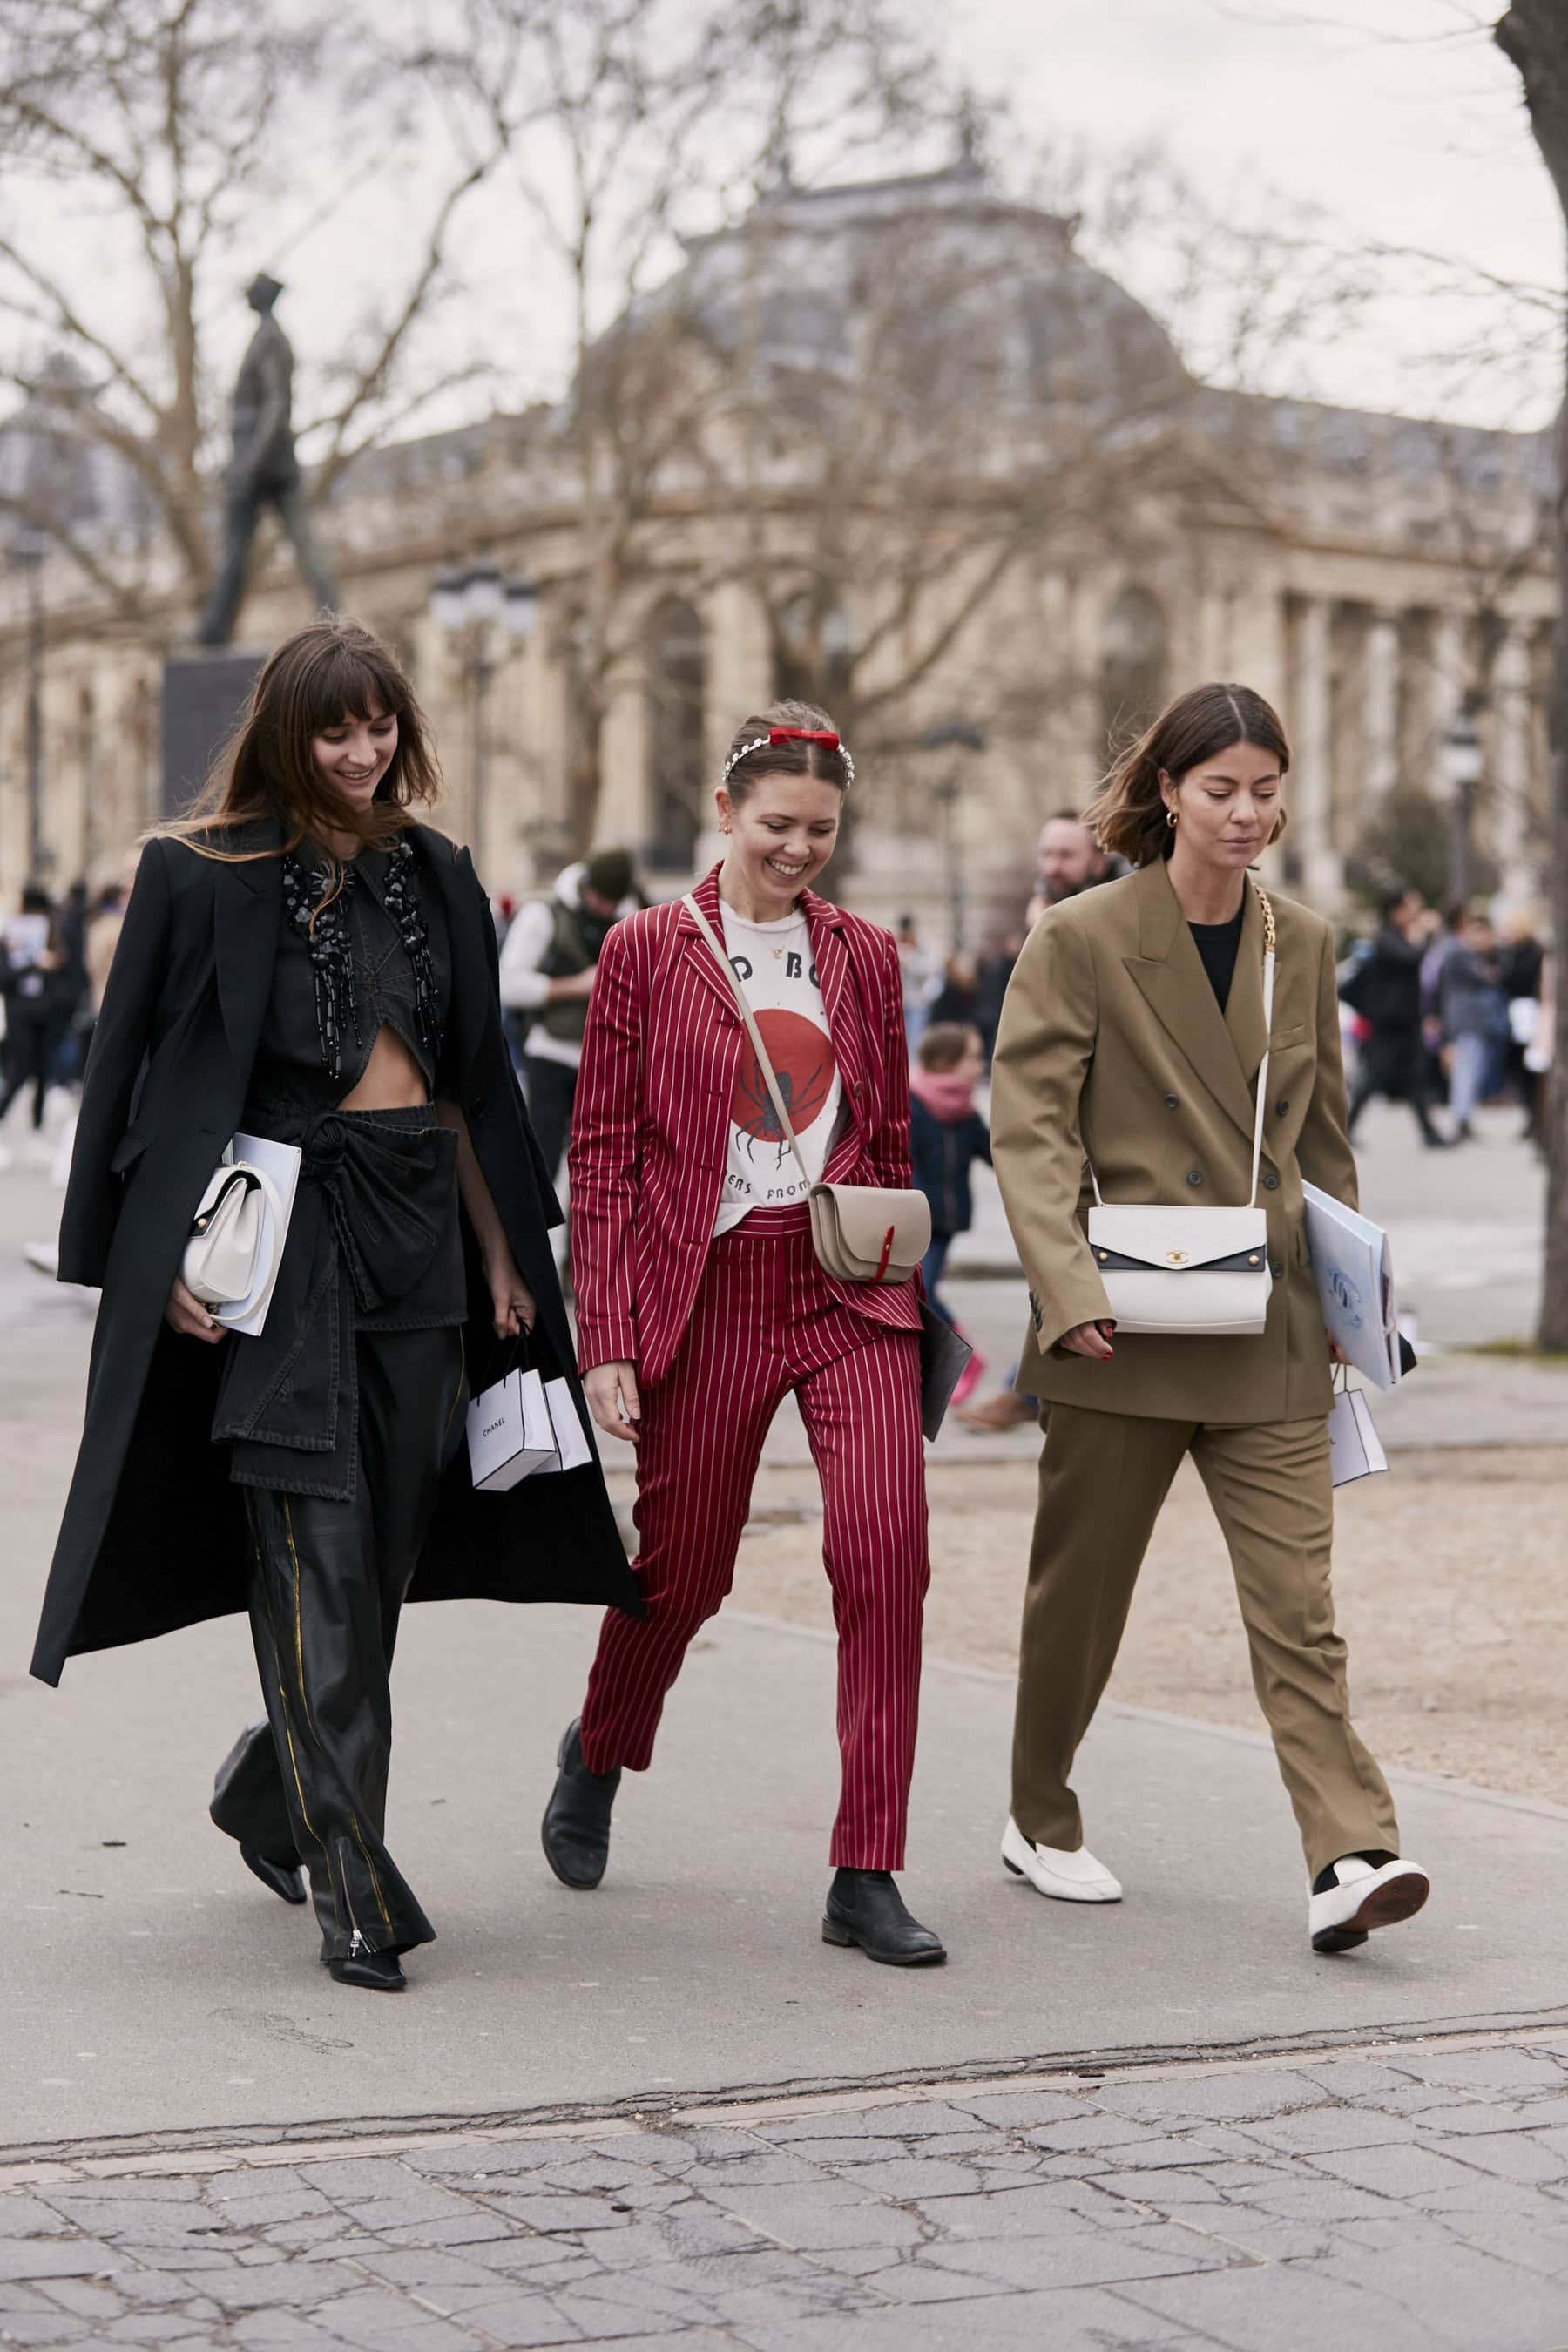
point(1268, 947)
point(752, 1032)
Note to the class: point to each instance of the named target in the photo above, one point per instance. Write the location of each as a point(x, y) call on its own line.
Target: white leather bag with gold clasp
point(1193, 1272)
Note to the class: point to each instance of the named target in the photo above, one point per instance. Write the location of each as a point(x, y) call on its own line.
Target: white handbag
point(240, 1221)
point(1185, 1271)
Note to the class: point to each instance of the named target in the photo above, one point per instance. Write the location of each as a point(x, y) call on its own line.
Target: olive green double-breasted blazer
point(1113, 1047)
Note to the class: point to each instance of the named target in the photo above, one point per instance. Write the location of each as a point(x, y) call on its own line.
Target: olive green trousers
point(1103, 1478)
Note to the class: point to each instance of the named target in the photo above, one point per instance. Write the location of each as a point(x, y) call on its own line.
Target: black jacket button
point(1281, 1108)
point(1277, 1268)
point(1271, 1182)
point(1172, 1102)
point(1194, 1175)
point(477, 1107)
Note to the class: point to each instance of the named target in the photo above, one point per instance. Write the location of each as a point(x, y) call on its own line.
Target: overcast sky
point(1399, 117)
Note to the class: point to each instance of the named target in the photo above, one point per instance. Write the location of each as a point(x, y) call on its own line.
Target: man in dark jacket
point(547, 971)
point(1385, 989)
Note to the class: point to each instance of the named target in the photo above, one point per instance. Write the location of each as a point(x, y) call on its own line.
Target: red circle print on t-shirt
point(804, 1063)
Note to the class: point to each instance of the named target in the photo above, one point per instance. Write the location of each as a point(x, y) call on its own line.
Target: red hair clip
point(803, 735)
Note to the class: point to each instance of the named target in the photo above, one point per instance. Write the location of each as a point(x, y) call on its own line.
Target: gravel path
point(1451, 1580)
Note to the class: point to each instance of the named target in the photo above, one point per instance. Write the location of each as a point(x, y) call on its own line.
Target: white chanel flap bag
point(1197, 1272)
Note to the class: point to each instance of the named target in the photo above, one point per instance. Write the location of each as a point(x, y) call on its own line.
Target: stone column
point(1381, 722)
point(1507, 778)
point(1258, 640)
point(1309, 724)
point(1444, 693)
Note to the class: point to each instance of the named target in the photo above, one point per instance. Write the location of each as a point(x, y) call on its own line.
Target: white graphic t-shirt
point(772, 962)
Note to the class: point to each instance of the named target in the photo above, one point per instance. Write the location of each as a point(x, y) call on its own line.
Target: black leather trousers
point(327, 1580)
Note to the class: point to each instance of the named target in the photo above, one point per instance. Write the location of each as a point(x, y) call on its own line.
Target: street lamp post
point(482, 608)
point(959, 735)
point(1462, 769)
point(28, 549)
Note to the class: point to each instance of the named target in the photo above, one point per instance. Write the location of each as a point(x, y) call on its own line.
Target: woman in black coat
point(303, 961)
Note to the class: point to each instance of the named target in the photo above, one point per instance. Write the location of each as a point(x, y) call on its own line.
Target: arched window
point(1132, 663)
point(676, 661)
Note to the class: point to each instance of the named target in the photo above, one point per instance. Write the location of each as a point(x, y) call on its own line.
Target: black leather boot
point(865, 1907)
point(376, 1971)
point(284, 1878)
point(575, 1830)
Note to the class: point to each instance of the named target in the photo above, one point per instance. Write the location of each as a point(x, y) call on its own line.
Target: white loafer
point(1072, 1877)
point(1353, 1896)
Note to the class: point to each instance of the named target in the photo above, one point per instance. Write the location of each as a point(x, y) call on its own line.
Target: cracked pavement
point(1412, 2197)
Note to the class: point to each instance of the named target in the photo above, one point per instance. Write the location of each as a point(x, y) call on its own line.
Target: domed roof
point(934, 277)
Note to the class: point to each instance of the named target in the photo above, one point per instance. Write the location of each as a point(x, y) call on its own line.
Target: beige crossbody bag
point(1195, 1272)
point(861, 1232)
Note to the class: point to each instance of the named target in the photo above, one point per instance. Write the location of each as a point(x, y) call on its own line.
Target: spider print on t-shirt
point(774, 964)
point(804, 1066)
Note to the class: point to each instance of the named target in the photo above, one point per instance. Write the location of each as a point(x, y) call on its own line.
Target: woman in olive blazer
point(1132, 1038)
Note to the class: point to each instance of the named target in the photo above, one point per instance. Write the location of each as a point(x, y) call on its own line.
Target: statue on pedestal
point(264, 471)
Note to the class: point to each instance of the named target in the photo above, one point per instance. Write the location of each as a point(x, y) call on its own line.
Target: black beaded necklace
point(322, 923)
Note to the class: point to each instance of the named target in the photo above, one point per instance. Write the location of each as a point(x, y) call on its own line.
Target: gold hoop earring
point(1170, 819)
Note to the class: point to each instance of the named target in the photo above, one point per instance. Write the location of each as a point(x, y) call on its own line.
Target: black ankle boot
point(575, 1830)
point(865, 1907)
point(376, 1971)
point(284, 1878)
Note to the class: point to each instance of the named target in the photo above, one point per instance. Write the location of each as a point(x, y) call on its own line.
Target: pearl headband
point(821, 735)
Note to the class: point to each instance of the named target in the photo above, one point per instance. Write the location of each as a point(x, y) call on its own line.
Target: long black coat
point(152, 1532)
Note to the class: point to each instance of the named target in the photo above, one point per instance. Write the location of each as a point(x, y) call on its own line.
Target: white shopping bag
point(509, 1433)
point(572, 1446)
point(1355, 1449)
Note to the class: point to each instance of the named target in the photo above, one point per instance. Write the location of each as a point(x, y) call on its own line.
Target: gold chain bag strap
point(861, 1232)
point(1185, 1271)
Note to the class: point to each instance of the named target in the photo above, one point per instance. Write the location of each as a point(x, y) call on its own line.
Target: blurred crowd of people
point(54, 959)
point(1442, 1010)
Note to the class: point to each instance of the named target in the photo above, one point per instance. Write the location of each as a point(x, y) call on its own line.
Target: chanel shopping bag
point(572, 1446)
point(512, 1433)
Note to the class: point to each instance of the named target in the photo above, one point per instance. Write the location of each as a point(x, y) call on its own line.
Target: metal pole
point(954, 877)
point(1459, 841)
point(35, 720)
point(480, 669)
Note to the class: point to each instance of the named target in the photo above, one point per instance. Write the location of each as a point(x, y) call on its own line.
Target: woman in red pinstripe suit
point(701, 1305)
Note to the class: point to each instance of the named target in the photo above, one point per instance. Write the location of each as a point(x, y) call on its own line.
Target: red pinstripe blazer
point(650, 1124)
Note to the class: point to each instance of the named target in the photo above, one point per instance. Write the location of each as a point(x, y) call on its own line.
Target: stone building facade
point(1374, 575)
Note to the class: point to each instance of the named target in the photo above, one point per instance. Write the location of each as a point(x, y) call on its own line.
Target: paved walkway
point(1401, 2197)
point(203, 2141)
point(155, 1989)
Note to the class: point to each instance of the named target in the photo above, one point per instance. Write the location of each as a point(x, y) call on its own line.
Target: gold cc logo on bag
point(1177, 1257)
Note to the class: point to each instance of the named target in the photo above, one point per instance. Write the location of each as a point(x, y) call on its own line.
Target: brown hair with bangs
point(790, 758)
point(332, 671)
point(1127, 814)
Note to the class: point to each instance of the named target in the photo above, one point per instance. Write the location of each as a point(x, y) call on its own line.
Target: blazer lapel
point(1170, 974)
point(247, 905)
point(453, 876)
point(1244, 1006)
point(698, 955)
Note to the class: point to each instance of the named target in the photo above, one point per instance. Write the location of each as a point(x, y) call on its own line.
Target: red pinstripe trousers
point(763, 1324)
